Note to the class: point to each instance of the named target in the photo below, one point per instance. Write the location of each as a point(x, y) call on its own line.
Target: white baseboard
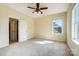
point(4, 44)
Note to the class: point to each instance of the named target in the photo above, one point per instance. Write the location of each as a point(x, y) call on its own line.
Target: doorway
point(13, 30)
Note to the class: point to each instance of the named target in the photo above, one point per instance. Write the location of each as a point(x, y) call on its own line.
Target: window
point(57, 25)
point(75, 23)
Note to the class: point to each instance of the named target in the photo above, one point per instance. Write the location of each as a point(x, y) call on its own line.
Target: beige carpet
point(36, 47)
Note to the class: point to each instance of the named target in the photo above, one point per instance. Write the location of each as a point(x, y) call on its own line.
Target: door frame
point(17, 28)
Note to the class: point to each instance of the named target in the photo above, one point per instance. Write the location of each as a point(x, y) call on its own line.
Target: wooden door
point(13, 30)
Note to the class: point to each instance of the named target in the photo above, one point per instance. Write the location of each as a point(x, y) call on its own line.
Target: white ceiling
point(53, 8)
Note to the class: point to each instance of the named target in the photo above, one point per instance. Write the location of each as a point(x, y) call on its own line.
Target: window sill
point(57, 33)
point(76, 41)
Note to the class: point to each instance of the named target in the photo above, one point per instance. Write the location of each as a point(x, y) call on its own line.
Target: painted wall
point(72, 44)
point(43, 27)
point(5, 13)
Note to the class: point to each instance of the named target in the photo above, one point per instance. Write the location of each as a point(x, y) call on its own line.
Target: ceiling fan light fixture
point(37, 9)
point(37, 13)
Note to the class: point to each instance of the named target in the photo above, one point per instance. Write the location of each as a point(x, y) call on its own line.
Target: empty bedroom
point(39, 29)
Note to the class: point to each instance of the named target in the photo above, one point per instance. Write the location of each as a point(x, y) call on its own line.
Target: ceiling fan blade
point(33, 11)
point(43, 8)
point(41, 12)
point(31, 7)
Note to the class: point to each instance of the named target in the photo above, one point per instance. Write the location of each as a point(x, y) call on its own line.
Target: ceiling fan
point(38, 8)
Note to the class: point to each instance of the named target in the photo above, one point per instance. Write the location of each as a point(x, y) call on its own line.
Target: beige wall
point(38, 28)
point(43, 27)
point(5, 13)
point(74, 46)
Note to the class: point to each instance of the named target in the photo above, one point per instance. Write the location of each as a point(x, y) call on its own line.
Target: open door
point(13, 30)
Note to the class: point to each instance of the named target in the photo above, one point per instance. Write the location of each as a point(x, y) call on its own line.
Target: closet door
point(13, 30)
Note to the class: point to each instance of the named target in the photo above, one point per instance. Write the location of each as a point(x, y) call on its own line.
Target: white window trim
point(74, 40)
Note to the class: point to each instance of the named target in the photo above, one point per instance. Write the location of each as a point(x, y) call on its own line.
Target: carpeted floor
point(36, 47)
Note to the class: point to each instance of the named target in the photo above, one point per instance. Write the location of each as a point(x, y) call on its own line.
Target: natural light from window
point(44, 42)
point(57, 26)
point(75, 24)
